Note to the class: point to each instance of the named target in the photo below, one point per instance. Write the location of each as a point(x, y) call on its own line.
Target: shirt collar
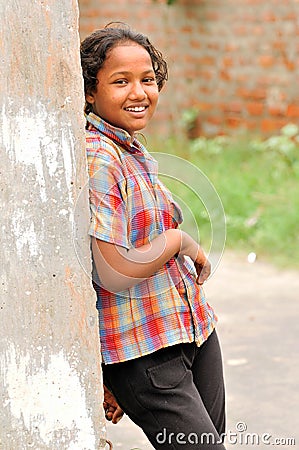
point(118, 135)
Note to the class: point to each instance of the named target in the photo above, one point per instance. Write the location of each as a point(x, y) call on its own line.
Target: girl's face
point(127, 92)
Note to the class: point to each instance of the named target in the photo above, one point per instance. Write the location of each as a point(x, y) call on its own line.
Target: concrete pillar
point(50, 373)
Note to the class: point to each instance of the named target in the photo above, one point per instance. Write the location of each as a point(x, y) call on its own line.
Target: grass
point(258, 183)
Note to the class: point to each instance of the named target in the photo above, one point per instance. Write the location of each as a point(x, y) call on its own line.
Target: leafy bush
point(257, 181)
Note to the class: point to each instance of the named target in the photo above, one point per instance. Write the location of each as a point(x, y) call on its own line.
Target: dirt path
point(258, 309)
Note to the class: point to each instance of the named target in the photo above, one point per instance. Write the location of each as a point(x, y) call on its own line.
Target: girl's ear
point(89, 98)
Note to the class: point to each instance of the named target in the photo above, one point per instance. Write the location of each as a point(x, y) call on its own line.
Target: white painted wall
point(50, 372)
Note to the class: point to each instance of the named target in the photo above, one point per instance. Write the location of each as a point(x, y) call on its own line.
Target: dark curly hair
point(95, 47)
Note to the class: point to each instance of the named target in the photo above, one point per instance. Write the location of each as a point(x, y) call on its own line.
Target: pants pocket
point(168, 374)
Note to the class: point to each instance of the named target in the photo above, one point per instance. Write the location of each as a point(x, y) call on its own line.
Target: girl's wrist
point(183, 244)
point(189, 247)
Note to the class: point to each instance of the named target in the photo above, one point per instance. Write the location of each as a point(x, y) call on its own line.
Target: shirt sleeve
point(107, 186)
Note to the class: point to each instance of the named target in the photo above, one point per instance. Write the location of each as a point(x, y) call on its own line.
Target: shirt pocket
point(169, 374)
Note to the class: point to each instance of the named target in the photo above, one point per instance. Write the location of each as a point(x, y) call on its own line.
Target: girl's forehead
point(126, 54)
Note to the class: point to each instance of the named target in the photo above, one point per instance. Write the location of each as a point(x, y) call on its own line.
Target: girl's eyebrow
point(124, 72)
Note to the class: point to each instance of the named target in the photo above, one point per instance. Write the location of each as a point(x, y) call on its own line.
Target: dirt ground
point(258, 309)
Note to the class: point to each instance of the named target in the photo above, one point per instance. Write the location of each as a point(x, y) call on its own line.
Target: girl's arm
point(120, 269)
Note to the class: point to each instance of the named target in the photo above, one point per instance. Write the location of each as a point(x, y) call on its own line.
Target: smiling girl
point(160, 352)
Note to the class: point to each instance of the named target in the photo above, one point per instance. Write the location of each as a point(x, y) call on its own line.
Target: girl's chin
point(134, 129)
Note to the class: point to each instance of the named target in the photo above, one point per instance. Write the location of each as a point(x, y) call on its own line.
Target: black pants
point(176, 395)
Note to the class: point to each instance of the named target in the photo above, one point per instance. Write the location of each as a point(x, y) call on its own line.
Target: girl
point(161, 356)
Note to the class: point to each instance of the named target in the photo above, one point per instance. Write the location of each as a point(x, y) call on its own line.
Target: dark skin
point(113, 411)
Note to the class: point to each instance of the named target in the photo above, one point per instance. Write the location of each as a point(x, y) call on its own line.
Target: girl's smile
point(127, 91)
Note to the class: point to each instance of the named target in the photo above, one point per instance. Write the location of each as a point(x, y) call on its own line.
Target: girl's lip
point(136, 108)
point(137, 114)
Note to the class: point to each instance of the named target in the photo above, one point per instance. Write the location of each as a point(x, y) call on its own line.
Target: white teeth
point(136, 109)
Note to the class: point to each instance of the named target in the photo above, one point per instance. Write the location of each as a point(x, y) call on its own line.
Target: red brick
point(266, 60)
point(225, 75)
point(234, 121)
point(195, 43)
point(243, 93)
point(215, 120)
point(206, 90)
point(258, 94)
point(241, 30)
point(277, 109)
point(202, 106)
point(254, 94)
point(207, 61)
point(233, 107)
point(279, 45)
point(213, 45)
point(265, 79)
point(272, 125)
point(251, 124)
point(291, 15)
point(255, 108)
point(231, 47)
point(293, 111)
point(258, 30)
point(205, 74)
point(186, 29)
point(290, 65)
point(269, 16)
point(227, 61)
point(212, 15)
point(241, 78)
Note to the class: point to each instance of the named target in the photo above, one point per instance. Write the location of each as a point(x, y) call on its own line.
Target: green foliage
point(169, 2)
point(189, 117)
point(257, 181)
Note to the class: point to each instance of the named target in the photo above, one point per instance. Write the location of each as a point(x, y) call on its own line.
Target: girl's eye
point(149, 80)
point(120, 82)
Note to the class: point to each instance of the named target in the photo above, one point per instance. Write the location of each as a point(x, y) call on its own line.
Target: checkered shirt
point(129, 207)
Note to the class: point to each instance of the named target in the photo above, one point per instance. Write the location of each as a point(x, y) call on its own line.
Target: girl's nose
point(137, 92)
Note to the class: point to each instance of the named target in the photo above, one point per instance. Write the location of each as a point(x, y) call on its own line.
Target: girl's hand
point(112, 409)
point(202, 266)
point(191, 248)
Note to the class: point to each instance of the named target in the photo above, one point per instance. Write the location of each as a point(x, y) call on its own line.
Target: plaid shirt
point(130, 207)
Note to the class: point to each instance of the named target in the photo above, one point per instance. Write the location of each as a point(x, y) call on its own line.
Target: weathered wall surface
point(236, 61)
point(50, 374)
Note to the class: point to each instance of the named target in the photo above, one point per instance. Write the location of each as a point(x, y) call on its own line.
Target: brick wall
point(236, 61)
